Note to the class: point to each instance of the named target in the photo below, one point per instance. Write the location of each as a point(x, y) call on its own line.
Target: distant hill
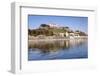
point(53, 29)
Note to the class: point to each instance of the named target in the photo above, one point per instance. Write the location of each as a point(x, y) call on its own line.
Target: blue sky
point(73, 22)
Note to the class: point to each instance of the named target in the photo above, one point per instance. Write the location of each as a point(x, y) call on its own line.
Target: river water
point(57, 49)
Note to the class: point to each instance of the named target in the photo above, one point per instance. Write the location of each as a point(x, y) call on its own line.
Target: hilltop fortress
point(54, 31)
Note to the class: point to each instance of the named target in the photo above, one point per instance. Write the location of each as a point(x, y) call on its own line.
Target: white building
point(64, 34)
point(52, 25)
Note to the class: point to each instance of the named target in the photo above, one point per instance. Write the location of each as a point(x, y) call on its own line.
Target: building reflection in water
point(54, 46)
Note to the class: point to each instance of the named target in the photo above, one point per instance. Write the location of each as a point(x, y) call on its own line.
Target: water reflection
point(57, 49)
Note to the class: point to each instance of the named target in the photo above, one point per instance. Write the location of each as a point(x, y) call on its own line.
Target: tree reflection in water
point(53, 46)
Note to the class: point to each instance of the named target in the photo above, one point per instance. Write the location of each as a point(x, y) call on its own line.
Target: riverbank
point(49, 38)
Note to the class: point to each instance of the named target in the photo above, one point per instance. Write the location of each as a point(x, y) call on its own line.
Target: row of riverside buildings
point(67, 33)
